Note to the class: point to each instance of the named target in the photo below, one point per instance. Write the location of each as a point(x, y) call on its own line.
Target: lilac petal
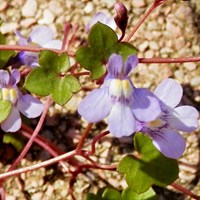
point(30, 106)
point(101, 17)
point(184, 118)
point(41, 35)
point(53, 44)
point(14, 77)
point(4, 78)
point(28, 58)
point(96, 105)
point(115, 65)
point(13, 122)
point(169, 92)
point(131, 63)
point(169, 142)
point(22, 40)
point(146, 106)
point(121, 121)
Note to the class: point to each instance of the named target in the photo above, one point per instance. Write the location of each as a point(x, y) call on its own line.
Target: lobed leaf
point(102, 42)
point(152, 168)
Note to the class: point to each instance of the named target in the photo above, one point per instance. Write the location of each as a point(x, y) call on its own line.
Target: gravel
point(170, 31)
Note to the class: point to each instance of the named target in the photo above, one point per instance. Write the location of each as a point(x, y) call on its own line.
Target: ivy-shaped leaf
point(129, 194)
point(4, 55)
point(51, 78)
point(102, 42)
point(106, 193)
point(152, 168)
point(5, 108)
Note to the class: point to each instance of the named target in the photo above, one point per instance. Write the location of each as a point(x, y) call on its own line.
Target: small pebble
point(29, 9)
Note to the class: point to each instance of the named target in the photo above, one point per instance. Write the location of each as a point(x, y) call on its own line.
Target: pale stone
point(27, 22)
point(55, 7)
point(3, 6)
point(153, 45)
point(48, 17)
point(138, 3)
point(9, 27)
point(89, 7)
point(143, 46)
point(195, 81)
point(29, 9)
point(179, 75)
point(190, 66)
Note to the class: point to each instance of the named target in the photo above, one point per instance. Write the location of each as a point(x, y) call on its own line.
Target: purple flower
point(41, 36)
point(118, 99)
point(26, 104)
point(164, 130)
point(102, 18)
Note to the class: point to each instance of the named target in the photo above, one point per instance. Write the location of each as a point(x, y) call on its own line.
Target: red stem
point(35, 133)
point(67, 28)
point(95, 140)
point(81, 142)
point(169, 60)
point(185, 191)
point(38, 166)
point(33, 49)
point(40, 141)
point(148, 12)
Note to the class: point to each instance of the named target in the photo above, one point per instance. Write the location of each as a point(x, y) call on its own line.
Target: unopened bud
point(121, 17)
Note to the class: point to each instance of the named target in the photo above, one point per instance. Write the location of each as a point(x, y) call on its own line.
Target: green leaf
point(102, 42)
point(16, 140)
point(5, 108)
point(152, 168)
point(63, 88)
point(51, 61)
point(4, 55)
point(51, 78)
point(93, 197)
point(111, 194)
point(129, 194)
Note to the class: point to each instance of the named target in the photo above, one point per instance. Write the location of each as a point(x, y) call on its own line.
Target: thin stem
point(35, 133)
point(33, 49)
point(47, 147)
point(85, 133)
point(169, 60)
point(98, 165)
point(95, 140)
point(38, 166)
point(148, 12)
point(67, 28)
point(185, 191)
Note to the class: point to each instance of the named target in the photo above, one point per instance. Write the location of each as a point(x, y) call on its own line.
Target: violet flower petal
point(4, 78)
point(169, 92)
point(28, 58)
point(121, 121)
point(115, 66)
point(41, 35)
point(184, 118)
point(12, 122)
point(102, 18)
point(169, 142)
point(96, 105)
point(14, 77)
point(22, 40)
point(53, 44)
point(146, 106)
point(30, 106)
point(131, 62)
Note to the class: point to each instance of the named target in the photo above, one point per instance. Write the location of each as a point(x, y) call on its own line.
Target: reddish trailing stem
point(148, 12)
point(35, 133)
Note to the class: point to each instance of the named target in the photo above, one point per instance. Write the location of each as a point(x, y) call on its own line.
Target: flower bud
point(121, 17)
